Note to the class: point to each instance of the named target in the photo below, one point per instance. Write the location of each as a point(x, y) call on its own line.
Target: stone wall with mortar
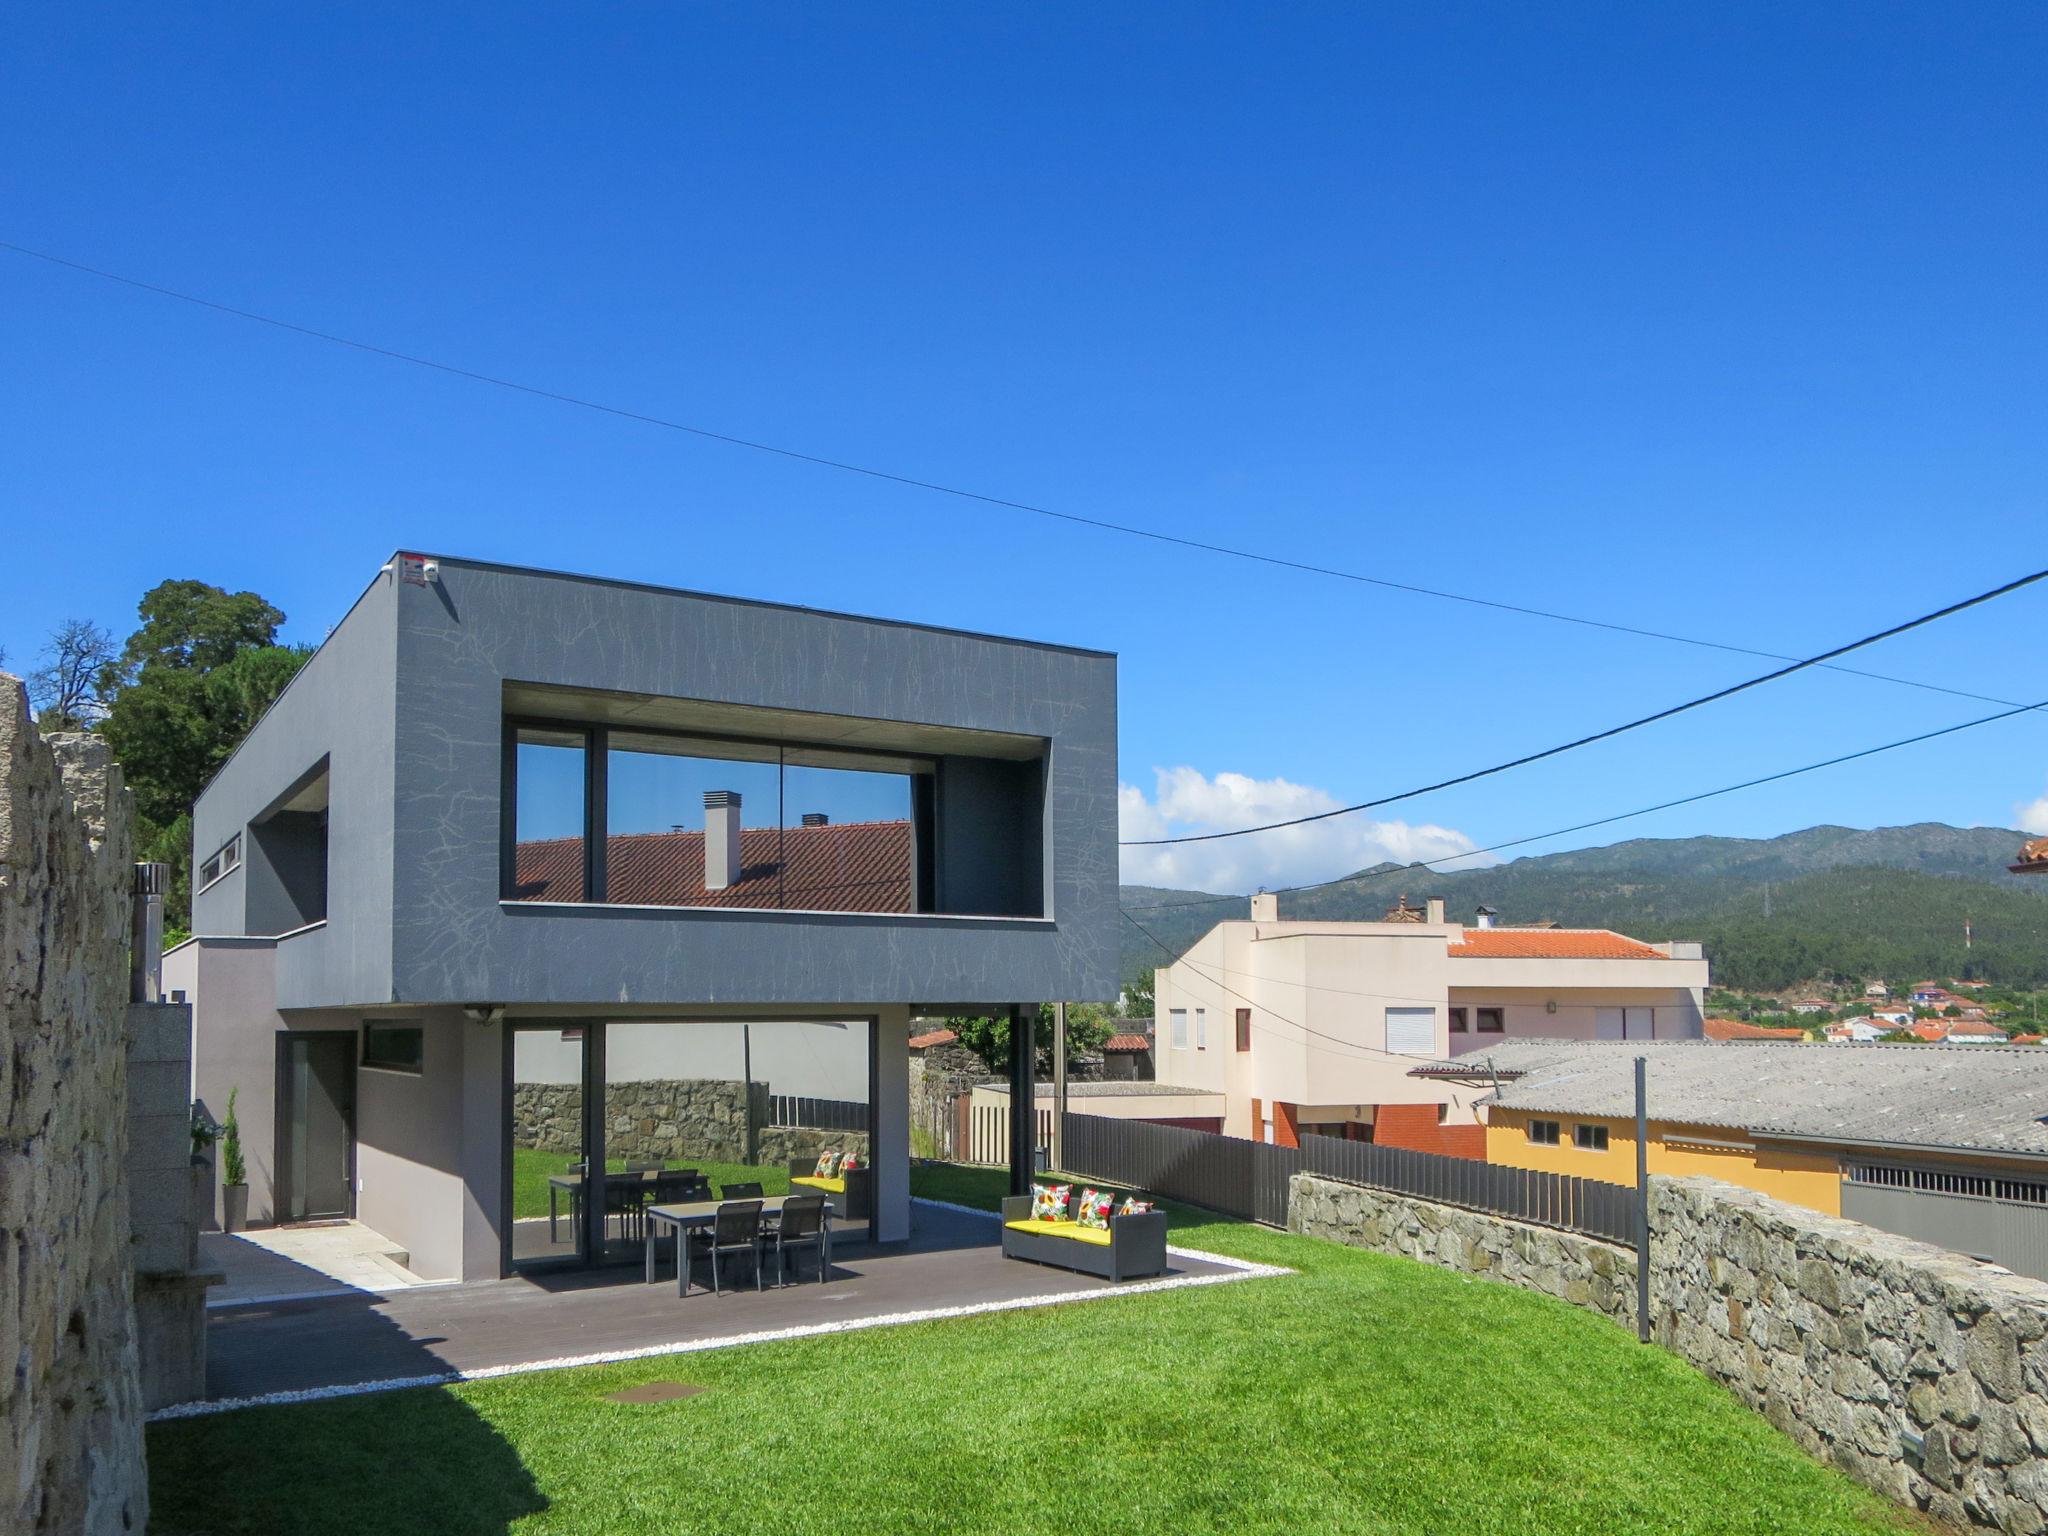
point(71, 1457)
point(668, 1120)
point(1921, 1373)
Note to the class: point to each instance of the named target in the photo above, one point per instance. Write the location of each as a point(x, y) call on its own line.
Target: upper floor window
point(1411, 1031)
point(1589, 1138)
point(226, 859)
point(1201, 1029)
point(1490, 1021)
point(1459, 1026)
point(1543, 1133)
point(687, 818)
point(1244, 1029)
point(1178, 1018)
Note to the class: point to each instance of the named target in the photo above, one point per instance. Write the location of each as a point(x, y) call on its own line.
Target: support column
point(1023, 1097)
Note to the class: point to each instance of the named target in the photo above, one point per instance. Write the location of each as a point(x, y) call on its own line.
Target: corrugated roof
point(855, 866)
point(1980, 1098)
point(1551, 944)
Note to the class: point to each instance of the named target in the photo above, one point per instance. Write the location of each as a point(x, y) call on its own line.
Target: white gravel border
point(1235, 1270)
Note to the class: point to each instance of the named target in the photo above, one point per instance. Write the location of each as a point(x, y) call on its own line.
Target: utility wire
point(1603, 821)
point(937, 488)
point(1614, 730)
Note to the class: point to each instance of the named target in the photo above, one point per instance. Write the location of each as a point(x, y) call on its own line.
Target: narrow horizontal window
point(1543, 1133)
point(1590, 1138)
point(225, 860)
point(394, 1047)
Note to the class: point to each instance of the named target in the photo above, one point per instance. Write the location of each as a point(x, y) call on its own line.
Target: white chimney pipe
point(1484, 916)
point(1436, 909)
point(721, 838)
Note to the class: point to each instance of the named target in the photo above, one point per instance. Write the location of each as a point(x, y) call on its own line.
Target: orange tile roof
point(935, 1037)
point(1737, 1029)
point(1551, 944)
point(1127, 1043)
point(1975, 1027)
point(856, 866)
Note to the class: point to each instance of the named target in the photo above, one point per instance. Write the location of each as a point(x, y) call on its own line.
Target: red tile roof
point(1976, 1029)
point(1736, 1029)
point(935, 1037)
point(1551, 944)
point(1127, 1043)
point(1929, 1031)
point(858, 866)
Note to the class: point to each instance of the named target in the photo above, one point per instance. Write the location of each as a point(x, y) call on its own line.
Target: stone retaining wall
point(670, 1120)
point(70, 1400)
point(1919, 1372)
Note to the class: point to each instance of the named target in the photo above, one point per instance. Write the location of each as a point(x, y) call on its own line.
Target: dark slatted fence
point(791, 1109)
point(1249, 1179)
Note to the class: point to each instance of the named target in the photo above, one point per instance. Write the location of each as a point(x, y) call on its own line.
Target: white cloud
point(1185, 801)
point(2028, 818)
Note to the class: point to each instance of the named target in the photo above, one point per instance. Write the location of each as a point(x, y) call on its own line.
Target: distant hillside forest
point(1843, 904)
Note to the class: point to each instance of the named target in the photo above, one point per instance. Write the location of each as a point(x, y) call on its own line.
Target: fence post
point(1642, 1200)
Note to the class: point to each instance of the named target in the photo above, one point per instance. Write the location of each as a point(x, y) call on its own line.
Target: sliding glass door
point(550, 1137)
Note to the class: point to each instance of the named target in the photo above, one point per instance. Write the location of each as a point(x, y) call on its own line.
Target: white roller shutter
point(1411, 1031)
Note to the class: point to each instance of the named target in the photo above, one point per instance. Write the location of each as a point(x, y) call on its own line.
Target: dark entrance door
point(316, 1130)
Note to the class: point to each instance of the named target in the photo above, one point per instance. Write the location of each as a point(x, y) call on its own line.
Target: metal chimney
point(1484, 917)
point(721, 838)
point(817, 819)
point(146, 934)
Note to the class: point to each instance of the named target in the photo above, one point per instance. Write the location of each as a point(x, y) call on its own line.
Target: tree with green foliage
point(1137, 993)
point(179, 698)
point(1088, 1029)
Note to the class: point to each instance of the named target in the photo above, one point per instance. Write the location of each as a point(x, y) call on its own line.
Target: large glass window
point(550, 769)
point(677, 817)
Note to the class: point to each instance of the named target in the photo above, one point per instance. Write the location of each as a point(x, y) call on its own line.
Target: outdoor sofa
point(852, 1195)
point(1132, 1247)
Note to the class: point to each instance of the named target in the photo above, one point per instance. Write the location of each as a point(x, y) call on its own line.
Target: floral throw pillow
point(827, 1163)
point(1049, 1202)
point(1133, 1206)
point(1093, 1211)
point(848, 1163)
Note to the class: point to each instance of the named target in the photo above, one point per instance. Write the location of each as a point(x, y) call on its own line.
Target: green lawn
point(1364, 1394)
point(531, 1169)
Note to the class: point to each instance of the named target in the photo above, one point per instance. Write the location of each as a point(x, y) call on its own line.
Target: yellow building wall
point(1811, 1179)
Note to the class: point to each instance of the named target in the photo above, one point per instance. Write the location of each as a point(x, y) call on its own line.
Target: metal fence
point(1249, 1179)
point(988, 1132)
point(1988, 1216)
point(789, 1109)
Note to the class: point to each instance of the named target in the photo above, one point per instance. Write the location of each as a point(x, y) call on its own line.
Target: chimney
point(146, 947)
point(1484, 917)
point(721, 838)
point(1436, 909)
point(817, 819)
point(1266, 907)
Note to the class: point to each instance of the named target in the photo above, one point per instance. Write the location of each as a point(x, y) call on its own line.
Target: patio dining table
point(572, 1183)
point(704, 1213)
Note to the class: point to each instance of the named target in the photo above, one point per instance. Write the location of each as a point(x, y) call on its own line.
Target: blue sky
point(1719, 320)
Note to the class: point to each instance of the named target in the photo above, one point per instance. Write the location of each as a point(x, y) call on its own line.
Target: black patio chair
point(735, 1229)
point(802, 1226)
point(626, 1194)
point(739, 1192)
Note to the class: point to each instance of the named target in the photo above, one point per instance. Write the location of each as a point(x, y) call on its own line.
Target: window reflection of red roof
point(1551, 944)
point(857, 866)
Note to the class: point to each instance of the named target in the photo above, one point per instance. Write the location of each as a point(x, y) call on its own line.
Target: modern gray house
point(529, 874)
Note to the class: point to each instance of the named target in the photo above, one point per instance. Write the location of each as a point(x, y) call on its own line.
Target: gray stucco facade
point(370, 805)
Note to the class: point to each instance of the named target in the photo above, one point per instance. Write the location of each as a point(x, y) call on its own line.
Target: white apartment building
point(1315, 1025)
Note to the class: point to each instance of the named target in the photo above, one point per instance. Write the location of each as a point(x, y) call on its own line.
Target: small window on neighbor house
point(1491, 1021)
point(1458, 1024)
point(1244, 1029)
point(393, 1047)
point(1178, 1018)
point(1590, 1138)
point(225, 860)
point(1543, 1133)
point(1201, 1029)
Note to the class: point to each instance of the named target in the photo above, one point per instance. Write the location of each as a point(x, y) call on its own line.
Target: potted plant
point(234, 1188)
point(204, 1134)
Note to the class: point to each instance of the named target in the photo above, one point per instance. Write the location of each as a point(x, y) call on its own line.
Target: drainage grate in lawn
point(655, 1392)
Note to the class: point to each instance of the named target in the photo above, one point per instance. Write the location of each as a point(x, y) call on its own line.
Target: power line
point(1603, 821)
point(1614, 730)
point(938, 488)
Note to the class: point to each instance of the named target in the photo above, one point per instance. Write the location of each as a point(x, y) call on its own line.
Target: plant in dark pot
point(234, 1173)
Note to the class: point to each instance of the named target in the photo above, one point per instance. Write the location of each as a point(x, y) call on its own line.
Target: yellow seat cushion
point(1072, 1229)
point(830, 1186)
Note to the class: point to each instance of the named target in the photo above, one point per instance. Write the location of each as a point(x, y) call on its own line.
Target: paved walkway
point(338, 1258)
point(334, 1345)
